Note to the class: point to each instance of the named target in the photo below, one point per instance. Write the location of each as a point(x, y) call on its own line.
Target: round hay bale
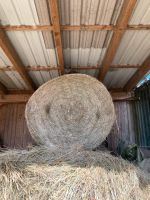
point(69, 110)
point(78, 175)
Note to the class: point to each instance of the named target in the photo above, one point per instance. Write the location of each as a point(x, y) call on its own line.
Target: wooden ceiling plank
point(121, 24)
point(11, 53)
point(53, 7)
point(139, 74)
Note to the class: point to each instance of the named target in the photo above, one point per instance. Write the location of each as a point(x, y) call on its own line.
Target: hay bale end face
point(70, 110)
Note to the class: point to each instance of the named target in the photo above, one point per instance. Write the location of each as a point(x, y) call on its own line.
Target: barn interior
point(74, 99)
point(106, 39)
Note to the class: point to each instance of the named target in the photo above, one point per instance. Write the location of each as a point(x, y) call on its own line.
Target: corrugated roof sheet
point(17, 80)
point(40, 77)
point(12, 80)
point(134, 48)
point(118, 78)
point(18, 12)
point(31, 48)
point(43, 11)
point(82, 48)
point(141, 14)
point(76, 12)
point(4, 61)
point(7, 81)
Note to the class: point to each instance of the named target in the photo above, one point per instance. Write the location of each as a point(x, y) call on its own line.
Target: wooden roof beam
point(11, 53)
point(121, 25)
point(53, 7)
point(139, 74)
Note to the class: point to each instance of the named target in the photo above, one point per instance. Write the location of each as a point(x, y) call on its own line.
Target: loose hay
point(69, 110)
point(41, 174)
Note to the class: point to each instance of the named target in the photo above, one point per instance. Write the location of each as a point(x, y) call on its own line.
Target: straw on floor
point(69, 110)
point(42, 174)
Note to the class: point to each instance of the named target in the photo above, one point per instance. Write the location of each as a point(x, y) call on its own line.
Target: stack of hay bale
point(69, 116)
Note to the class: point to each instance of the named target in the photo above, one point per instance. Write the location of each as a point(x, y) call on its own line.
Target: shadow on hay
point(76, 158)
point(12, 161)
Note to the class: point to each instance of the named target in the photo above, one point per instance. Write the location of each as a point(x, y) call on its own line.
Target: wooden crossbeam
point(26, 28)
point(73, 28)
point(139, 74)
point(15, 98)
point(103, 27)
point(87, 27)
point(11, 53)
point(121, 24)
point(55, 68)
point(56, 30)
point(23, 98)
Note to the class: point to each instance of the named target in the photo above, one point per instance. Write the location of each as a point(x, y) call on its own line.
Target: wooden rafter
point(139, 74)
point(73, 28)
point(11, 53)
point(56, 30)
point(121, 24)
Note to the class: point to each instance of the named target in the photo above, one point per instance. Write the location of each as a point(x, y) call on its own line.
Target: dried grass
point(69, 110)
point(41, 174)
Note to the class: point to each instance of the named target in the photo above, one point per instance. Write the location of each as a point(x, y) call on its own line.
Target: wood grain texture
point(13, 130)
point(26, 28)
point(121, 24)
point(117, 95)
point(53, 7)
point(72, 28)
point(12, 55)
point(55, 68)
point(124, 130)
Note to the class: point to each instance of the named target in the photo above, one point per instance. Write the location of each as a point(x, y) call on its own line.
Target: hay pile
point(69, 110)
point(42, 174)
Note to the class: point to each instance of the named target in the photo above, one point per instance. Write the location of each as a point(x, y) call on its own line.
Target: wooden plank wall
point(14, 132)
point(124, 130)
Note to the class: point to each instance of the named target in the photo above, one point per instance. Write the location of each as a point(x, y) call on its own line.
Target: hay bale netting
point(69, 110)
point(42, 174)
